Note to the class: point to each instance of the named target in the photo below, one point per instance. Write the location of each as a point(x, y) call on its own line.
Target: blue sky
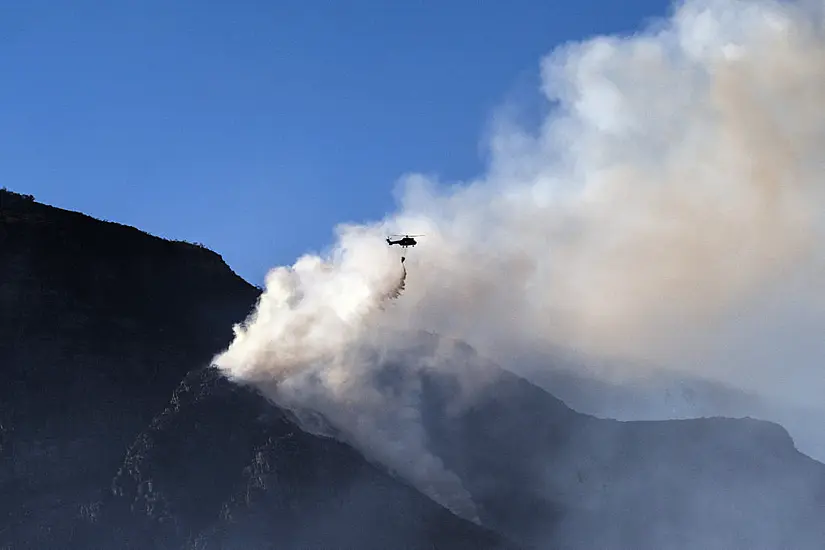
point(255, 127)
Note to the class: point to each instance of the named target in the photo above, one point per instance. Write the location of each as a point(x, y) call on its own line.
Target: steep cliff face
point(99, 323)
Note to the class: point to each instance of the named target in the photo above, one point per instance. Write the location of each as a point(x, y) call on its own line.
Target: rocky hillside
point(114, 435)
point(117, 434)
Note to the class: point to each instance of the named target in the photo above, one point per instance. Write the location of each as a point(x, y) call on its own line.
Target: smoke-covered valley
point(652, 251)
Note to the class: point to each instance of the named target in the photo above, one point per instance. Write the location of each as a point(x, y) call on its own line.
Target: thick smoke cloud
point(666, 217)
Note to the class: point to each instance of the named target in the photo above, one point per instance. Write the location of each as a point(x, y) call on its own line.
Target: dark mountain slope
point(115, 436)
point(99, 323)
point(222, 468)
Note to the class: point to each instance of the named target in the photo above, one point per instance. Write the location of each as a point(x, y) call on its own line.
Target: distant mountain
point(670, 394)
point(550, 477)
point(115, 435)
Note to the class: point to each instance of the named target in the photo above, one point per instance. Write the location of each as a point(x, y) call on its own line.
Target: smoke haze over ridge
point(666, 215)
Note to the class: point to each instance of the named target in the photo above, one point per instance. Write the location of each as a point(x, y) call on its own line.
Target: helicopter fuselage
point(403, 243)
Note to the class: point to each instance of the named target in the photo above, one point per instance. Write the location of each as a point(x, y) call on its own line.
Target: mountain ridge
point(115, 429)
point(20, 207)
point(100, 324)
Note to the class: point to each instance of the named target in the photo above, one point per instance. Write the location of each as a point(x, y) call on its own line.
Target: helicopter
point(405, 241)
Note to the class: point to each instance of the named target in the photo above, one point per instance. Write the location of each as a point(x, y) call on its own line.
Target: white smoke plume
point(666, 215)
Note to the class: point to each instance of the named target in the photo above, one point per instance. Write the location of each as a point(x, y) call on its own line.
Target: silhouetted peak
point(65, 232)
